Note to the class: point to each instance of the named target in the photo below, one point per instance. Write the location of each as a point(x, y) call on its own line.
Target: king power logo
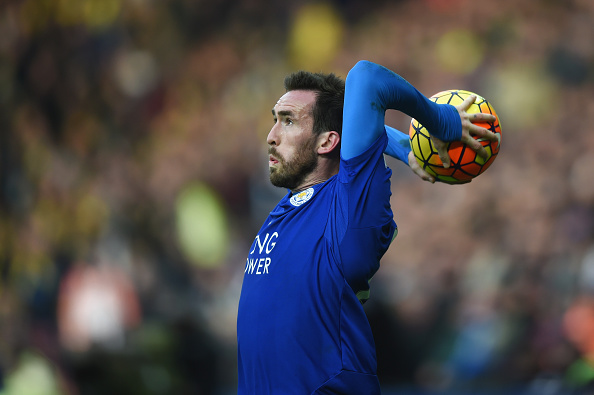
point(256, 263)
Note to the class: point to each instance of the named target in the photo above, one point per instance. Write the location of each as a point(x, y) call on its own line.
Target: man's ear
point(327, 142)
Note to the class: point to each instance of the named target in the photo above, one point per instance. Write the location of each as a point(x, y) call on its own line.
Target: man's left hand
point(469, 130)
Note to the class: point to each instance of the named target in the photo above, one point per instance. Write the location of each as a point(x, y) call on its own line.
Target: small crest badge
point(302, 197)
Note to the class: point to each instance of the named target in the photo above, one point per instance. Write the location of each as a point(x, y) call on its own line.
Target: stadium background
point(133, 179)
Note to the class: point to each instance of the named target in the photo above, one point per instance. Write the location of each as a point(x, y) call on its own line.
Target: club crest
point(302, 197)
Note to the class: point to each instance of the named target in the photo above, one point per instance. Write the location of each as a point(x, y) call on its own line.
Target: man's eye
point(288, 121)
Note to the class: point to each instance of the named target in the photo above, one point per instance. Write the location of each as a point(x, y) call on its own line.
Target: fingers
point(465, 105)
point(472, 131)
point(442, 151)
point(480, 134)
point(418, 170)
point(481, 117)
point(469, 121)
point(475, 145)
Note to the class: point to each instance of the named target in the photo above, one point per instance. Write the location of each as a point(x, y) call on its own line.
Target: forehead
point(297, 102)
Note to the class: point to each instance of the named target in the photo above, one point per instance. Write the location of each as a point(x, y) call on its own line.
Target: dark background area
point(133, 180)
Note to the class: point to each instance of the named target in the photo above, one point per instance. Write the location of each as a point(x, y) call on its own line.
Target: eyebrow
point(282, 113)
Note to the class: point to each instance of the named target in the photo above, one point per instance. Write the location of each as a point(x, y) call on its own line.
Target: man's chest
point(283, 245)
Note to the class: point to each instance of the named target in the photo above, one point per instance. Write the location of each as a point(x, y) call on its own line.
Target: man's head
point(307, 129)
point(327, 110)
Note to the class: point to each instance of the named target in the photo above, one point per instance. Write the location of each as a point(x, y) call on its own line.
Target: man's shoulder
point(369, 158)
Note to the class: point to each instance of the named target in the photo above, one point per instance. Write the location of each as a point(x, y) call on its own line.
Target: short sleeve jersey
point(301, 326)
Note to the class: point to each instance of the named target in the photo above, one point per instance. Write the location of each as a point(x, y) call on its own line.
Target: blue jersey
point(301, 327)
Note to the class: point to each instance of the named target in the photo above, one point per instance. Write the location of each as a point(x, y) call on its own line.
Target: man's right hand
point(418, 170)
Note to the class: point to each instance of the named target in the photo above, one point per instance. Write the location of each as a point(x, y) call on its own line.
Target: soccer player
point(301, 326)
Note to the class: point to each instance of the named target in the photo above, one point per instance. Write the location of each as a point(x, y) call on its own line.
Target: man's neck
point(318, 176)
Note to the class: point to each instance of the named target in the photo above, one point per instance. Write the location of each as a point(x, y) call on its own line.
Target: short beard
point(291, 174)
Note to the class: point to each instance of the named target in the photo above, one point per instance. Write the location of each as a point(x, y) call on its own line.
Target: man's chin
point(273, 174)
point(279, 181)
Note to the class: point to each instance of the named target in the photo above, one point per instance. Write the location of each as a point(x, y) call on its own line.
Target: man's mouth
point(272, 160)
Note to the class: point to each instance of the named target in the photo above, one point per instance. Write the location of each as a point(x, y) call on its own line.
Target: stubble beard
point(291, 174)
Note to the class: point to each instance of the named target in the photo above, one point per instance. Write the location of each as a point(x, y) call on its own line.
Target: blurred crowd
point(133, 179)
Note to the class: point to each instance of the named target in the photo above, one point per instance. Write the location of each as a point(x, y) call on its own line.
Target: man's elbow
point(363, 76)
point(361, 69)
point(366, 81)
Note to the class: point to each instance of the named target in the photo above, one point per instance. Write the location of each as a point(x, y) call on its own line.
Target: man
point(301, 326)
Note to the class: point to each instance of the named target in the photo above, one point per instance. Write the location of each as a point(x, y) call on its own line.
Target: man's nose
point(272, 138)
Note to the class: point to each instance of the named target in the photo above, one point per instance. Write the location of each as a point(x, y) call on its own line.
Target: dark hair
point(327, 110)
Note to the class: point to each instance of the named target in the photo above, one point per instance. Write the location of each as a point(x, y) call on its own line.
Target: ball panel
point(427, 149)
point(489, 161)
point(466, 155)
point(449, 180)
point(434, 160)
point(439, 170)
point(473, 169)
point(461, 176)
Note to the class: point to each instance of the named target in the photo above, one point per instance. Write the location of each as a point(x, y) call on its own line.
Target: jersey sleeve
point(398, 144)
point(363, 221)
point(372, 89)
point(363, 224)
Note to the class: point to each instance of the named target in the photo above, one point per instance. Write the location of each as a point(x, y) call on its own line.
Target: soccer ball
point(465, 164)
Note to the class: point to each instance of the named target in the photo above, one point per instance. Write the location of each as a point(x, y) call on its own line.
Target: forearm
point(398, 144)
point(372, 89)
